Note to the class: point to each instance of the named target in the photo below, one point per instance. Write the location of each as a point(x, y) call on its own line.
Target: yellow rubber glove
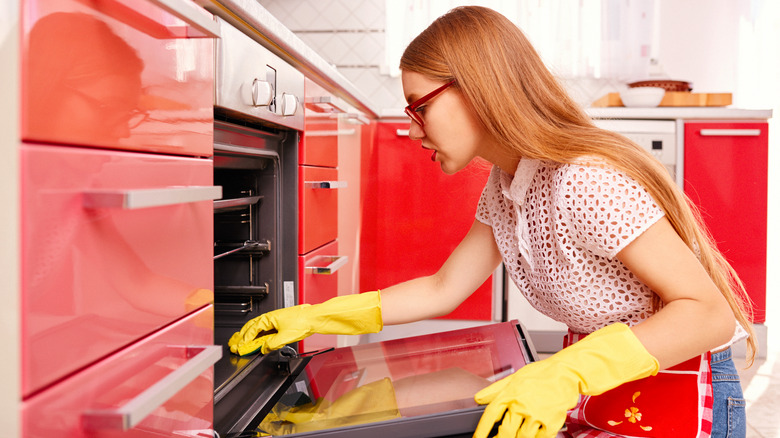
point(369, 403)
point(344, 315)
point(533, 401)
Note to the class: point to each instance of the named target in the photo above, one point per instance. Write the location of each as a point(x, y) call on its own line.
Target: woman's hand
point(346, 315)
point(532, 402)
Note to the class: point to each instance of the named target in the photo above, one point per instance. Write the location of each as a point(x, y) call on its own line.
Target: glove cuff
point(348, 315)
point(608, 358)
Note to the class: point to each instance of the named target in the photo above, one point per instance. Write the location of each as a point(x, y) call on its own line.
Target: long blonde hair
point(525, 109)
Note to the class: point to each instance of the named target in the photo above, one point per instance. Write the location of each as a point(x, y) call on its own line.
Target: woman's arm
point(469, 265)
point(695, 317)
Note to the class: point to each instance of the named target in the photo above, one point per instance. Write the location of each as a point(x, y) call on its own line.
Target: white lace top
point(559, 227)
point(573, 220)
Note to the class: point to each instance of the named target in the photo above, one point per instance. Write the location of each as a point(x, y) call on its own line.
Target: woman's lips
point(433, 153)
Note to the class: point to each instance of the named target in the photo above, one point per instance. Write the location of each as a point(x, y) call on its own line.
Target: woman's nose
point(416, 131)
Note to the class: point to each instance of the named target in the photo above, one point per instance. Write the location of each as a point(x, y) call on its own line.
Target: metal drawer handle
point(324, 104)
point(402, 132)
point(333, 133)
point(325, 184)
point(730, 132)
point(144, 198)
point(336, 263)
point(182, 10)
point(134, 411)
point(358, 119)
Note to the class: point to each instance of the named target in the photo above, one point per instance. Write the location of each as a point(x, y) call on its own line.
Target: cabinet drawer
point(318, 274)
point(177, 360)
point(122, 74)
point(318, 207)
point(320, 145)
point(96, 278)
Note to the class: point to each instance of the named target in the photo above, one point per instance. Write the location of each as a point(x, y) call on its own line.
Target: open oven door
point(410, 387)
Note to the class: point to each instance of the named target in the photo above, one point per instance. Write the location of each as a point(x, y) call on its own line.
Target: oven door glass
point(408, 385)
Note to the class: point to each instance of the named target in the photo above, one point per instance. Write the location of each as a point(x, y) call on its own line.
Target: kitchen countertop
point(671, 113)
point(254, 20)
point(658, 113)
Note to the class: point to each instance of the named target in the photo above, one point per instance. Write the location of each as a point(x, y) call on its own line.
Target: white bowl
point(647, 97)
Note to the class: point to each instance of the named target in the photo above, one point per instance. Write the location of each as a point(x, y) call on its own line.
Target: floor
point(761, 386)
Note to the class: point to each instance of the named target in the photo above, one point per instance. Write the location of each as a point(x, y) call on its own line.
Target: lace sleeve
point(601, 209)
point(490, 197)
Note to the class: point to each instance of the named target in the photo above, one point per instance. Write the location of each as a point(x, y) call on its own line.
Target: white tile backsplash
point(350, 34)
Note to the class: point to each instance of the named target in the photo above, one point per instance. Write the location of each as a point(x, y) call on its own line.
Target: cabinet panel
point(319, 146)
point(414, 215)
point(726, 177)
point(318, 207)
point(118, 74)
point(97, 278)
point(70, 408)
point(318, 273)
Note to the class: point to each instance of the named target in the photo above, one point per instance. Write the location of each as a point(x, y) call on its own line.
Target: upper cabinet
point(133, 75)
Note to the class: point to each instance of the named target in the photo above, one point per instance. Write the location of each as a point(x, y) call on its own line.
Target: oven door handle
point(336, 263)
point(137, 409)
point(132, 199)
point(325, 184)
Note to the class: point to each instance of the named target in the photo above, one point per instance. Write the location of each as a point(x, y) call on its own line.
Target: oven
point(418, 386)
point(258, 123)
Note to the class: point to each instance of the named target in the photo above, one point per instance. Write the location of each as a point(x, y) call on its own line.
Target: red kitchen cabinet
point(104, 271)
point(318, 209)
point(320, 189)
point(172, 367)
point(115, 117)
point(726, 177)
point(414, 215)
point(121, 75)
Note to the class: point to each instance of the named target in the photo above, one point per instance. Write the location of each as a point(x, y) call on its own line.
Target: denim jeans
point(728, 405)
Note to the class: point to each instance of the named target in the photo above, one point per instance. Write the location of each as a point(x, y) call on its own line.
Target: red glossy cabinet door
point(414, 215)
point(726, 177)
point(98, 274)
point(118, 74)
point(319, 273)
point(318, 207)
point(164, 383)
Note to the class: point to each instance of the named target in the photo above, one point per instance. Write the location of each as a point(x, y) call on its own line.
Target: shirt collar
point(515, 188)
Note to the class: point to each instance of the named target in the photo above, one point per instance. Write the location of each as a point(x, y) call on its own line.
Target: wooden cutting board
point(673, 98)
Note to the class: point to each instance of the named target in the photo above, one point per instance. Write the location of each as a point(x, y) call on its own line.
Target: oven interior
point(255, 260)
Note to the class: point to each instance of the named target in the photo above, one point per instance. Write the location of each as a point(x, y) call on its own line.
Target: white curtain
point(576, 38)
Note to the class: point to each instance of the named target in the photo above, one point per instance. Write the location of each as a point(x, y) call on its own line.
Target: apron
point(677, 402)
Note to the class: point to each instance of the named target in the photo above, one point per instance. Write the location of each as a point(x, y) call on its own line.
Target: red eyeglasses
point(412, 110)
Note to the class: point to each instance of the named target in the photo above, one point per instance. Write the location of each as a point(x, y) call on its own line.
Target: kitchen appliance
point(402, 388)
point(659, 137)
point(257, 126)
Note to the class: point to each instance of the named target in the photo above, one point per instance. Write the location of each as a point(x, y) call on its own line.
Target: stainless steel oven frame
point(258, 122)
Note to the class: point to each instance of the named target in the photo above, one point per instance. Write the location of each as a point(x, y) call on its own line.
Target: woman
point(590, 227)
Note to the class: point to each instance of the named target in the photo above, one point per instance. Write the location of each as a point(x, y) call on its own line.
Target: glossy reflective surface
point(113, 382)
point(96, 279)
point(114, 74)
point(401, 378)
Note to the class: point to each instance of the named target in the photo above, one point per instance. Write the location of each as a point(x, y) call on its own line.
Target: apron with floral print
point(677, 402)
